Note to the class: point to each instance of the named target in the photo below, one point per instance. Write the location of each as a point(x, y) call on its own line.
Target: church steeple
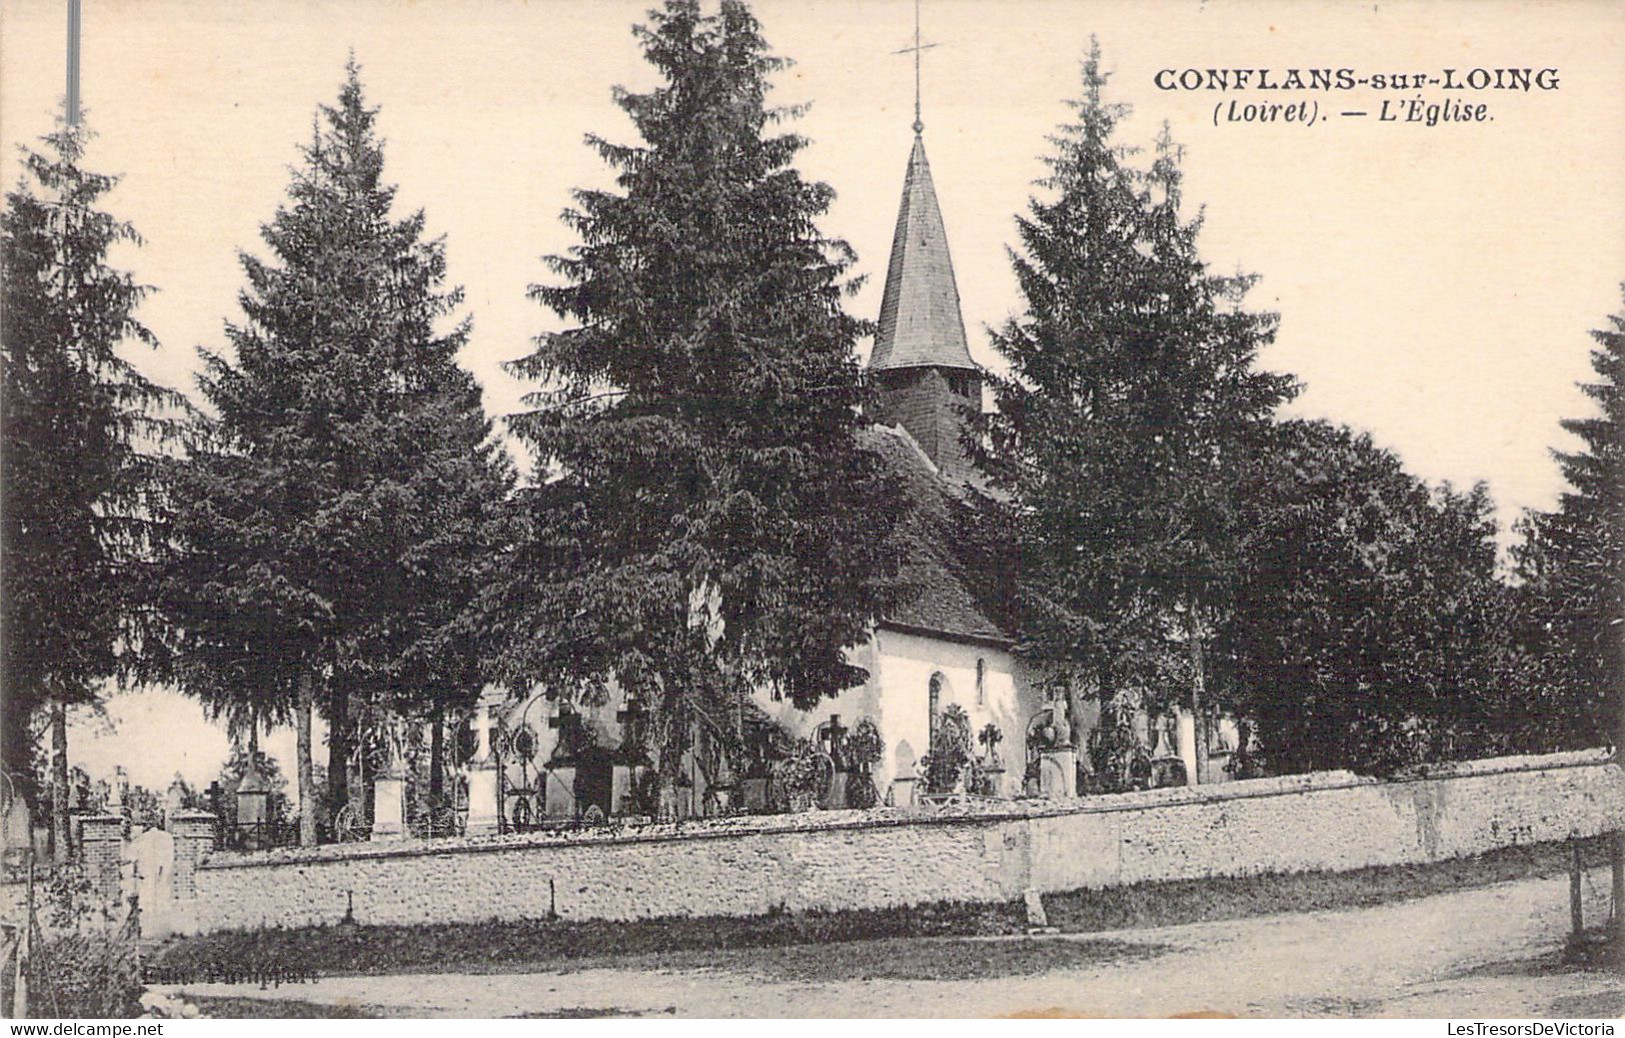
point(920, 364)
point(920, 319)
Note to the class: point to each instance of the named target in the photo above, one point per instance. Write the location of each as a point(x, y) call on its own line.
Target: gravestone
point(993, 780)
point(484, 787)
point(1057, 773)
point(558, 799)
point(904, 779)
point(175, 797)
point(1187, 744)
point(118, 791)
point(254, 809)
point(835, 798)
point(389, 805)
point(18, 831)
point(753, 793)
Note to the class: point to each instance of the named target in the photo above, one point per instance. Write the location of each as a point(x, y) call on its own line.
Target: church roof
point(920, 320)
point(958, 587)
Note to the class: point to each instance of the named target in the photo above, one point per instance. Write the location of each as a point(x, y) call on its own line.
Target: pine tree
point(1572, 561)
point(335, 519)
point(1573, 565)
point(708, 523)
point(1130, 401)
point(82, 429)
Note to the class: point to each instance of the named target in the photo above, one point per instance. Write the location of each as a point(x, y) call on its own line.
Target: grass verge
point(1171, 902)
point(532, 945)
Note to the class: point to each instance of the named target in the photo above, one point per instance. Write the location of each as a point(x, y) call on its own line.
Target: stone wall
point(747, 867)
point(848, 859)
point(1332, 821)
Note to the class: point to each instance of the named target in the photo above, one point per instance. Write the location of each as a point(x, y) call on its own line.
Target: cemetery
point(957, 850)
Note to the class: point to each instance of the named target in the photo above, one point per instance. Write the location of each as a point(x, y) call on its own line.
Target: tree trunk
point(61, 848)
point(1193, 643)
point(338, 750)
point(307, 777)
point(1105, 700)
point(437, 751)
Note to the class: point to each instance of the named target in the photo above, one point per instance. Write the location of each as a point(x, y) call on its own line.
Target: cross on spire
point(73, 63)
point(915, 50)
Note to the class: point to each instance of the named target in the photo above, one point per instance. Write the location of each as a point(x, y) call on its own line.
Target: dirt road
point(1477, 954)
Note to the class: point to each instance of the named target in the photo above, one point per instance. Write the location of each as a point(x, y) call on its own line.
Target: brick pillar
point(193, 832)
point(102, 851)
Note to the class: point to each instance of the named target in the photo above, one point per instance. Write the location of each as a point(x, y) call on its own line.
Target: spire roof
point(920, 321)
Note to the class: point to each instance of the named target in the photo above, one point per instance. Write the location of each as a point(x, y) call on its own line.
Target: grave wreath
point(863, 747)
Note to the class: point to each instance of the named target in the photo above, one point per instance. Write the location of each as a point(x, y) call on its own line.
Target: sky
point(1436, 284)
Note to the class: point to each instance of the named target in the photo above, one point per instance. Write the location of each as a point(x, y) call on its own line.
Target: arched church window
point(981, 681)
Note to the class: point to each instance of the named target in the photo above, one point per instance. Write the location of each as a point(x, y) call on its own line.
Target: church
point(948, 650)
point(951, 644)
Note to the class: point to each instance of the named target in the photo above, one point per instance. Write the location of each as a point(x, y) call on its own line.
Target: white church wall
point(897, 697)
point(849, 706)
point(906, 664)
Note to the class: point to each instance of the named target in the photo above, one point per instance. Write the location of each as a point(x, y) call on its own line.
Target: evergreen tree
point(82, 428)
point(1130, 403)
point(334, 521)
point(708, 523)
point(1572, 564)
